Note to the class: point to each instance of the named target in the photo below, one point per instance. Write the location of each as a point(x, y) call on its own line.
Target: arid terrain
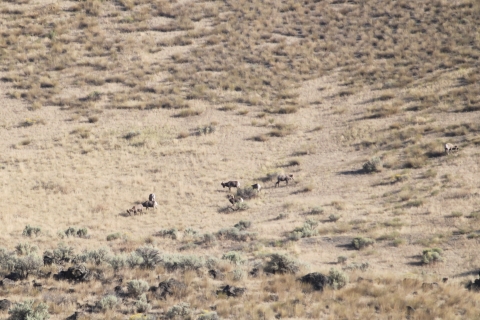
point(105, 102)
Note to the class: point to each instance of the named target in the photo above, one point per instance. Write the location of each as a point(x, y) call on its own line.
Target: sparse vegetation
point(106, 102)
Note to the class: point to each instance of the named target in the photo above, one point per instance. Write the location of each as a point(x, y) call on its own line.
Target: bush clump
point(373, 165)
point(179, 311)
point(432, 255)
point(73, 232)
point(360, 242)
point(27, 311)
point(235, 234)
point(306, 231)
point(243, 224)
point(136, 288)
point(109, 302)
point(182, 262)
point(142, 304)
point(168, 233)
point(337, 279)
point(279, 263)
point(30, 231)
point(234, 257)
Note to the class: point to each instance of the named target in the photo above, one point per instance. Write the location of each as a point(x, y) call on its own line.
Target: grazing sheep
point(257, 187)
point(450, 147)
point(283, 177)
point(231, 184)
point(233, 200)
point(151, 197)
point(150, 204)
point(138, 208)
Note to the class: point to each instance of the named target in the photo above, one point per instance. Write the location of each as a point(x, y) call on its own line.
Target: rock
point(169, 287)
point(254, 272)
point(77, 315)
point(48, 258)
point(216, 274)
point(232, 291)
point(14, 276)
point(316, 279)
point(5, 304)
point(75, 273)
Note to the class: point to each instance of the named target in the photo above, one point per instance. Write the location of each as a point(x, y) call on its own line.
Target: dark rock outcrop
point(5, 304)
point(169, 287)
point(232, 291)
point(316, 279)
point(216, 274)
point(75, 273)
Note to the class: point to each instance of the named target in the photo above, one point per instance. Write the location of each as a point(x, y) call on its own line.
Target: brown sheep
point(231, 184)
point(283, 177)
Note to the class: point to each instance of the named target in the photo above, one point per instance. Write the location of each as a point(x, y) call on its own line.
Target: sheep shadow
point(352, 172)
point(124, 214)
point(468, 273)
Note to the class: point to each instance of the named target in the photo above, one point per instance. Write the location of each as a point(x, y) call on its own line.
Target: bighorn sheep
point(150, 204)
point(257, 187)
point(151, 197)
point(233, 200)
point(283, 177)
point(231, 184)
point(138, 208)
point(450, 147)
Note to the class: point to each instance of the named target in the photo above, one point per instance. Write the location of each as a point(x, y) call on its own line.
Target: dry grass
point(109, 101)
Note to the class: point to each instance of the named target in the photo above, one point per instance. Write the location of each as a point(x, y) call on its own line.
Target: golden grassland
point(105, 102)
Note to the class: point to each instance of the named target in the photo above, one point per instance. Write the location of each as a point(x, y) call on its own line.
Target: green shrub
point(279, 263)
point(114, 236)
point(235, 234)
point(305, 231)
point(243, 224)
point(357, 266)
point(63, 253)
point(28, 264)
point(142, 304)
point(179, 311)
point(109, 302)
point(150, 256)
point(71, 232)
point(27, 311)
point(337, 279)
point(208, 316)
point(136, 288)
point(82, 232)
point(334, 217)
point(190, 232)
point(134, 260)
point(99, 256)
point(360, 242)
point(117, 262)
point(182, 262)
point(315, 211)
point(247, 193)
point(233, 256)
point(432, 255)
point(372, 165)
point(168, 233)
point(342, 259)
point(238, 274)
point(24, 249)
point(7, 259)
point(30, 231)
